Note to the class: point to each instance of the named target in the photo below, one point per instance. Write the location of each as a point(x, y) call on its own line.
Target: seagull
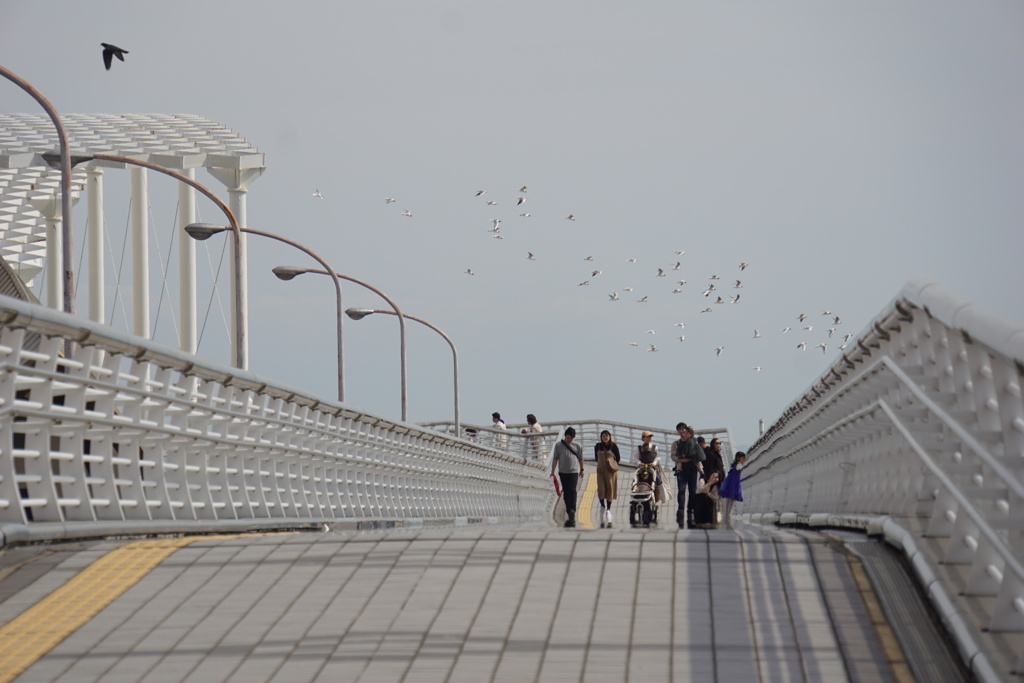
point(633, 344)
point(523, 188)
point(491, 202)
point(595, 273)
point(738, 285)
point(627, 289)
point(469, 271)
point(757, 368)
point(719, 300)
point(786, 329)
point(735, 299)
point(317, 194)
point(682, 337)
point(111, 51)
point(525, 215)
point(614, 296)
point(680, 325)
point(677, 291)
point(631, 260)
point(823, 346)
point(677, 265)
point(714, 277)
point(588, 258)
point(808, 328)
point(642, 300)
point(570, 217)
point(743, 265)
point(496, 228)
point(653, 348)
point(718, 350)
point(801, 317)
point(520, 201)
point(648, 331)
point(847, 337)
point(831, 331)
point(757, 335)
point(529, 256)
point(836, 320)
point(661, 272)
point(706, 310)
point(407, 212)
point(706, 292)
point(496, 222)
point(584, 283)
point(827, 313)
point(680, 253)
point(479, 192)
point(497, 237)
point(802, 346)
point(389, 200)
point(680, 282)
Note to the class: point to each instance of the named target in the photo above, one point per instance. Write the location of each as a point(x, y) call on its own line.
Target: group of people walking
point(698, 467)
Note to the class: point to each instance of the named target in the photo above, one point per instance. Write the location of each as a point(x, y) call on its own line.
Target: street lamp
point(202, 231)
point(289, 272)
point(241, 327)
point(360, 313)
point(67, 237)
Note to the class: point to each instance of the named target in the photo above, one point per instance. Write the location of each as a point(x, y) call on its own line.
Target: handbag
point(610, 462)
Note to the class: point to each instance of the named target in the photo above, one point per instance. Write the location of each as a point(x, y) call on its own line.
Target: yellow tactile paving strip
point(38, 629)
point(584, 516)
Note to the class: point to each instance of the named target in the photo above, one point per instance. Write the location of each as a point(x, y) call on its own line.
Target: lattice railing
point(128, 434)
point(924, 418)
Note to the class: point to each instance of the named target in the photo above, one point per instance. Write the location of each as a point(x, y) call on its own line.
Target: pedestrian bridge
point(434, 557)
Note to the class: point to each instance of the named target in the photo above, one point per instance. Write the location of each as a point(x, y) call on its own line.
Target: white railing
point(588, 433)
point(126, 435)
point(924, 421)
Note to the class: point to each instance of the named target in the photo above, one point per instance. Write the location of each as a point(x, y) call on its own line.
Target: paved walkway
point(455, 604)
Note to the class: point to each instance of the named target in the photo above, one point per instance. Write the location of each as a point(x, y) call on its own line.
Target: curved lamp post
point(289, 272)
point(360, 313)
point(67, 248)
point(202, 231)
point(241, 328)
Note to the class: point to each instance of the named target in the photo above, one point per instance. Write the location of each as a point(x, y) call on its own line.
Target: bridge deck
point(453, 604)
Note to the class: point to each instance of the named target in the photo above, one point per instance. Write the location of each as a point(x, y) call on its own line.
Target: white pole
point(187, 266)
point(140, 252)
point(239, 273)
point(94, 185)
point(54, 262)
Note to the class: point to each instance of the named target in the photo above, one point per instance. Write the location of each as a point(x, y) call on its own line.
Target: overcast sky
point(839, 148)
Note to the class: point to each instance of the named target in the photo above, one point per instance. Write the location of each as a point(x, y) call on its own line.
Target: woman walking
point(607, 455)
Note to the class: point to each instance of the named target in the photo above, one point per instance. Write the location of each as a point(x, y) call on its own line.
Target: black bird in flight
point(111, 51)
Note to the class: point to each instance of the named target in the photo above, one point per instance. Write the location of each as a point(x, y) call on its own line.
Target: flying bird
point(584, 283)
point(682, 337)
point(648, 331)
point(407, 212)
point(614, 296)
point(529, 256)
point(520, 201)
point(633, 344)
point(735, 299)
point(786, 329)
point(111, 51)
point(680, 253)
point(479, 192)
point(525, 215)
point(757, 368)
point(802, 346)
point(680, 325)
point(642, 300)
point(808, 328)
point(631, 260)
point(831, 331)
point(714, 277)
point(823, 346)
point(588, 258)
point(523, 188)
point(661, 272)
point(677, 291)
point(317, 194)
point(743, 266)
point(706, 310)
point(757, 335)
point(738, 285)
point(718, 350)
point(677, 265)
point(389, 200)
point(469, 271)
point(595, 273)
point(836, 320)
point(627, 289)
point(653, 348)
point(801, 317)
point(570, 217)
point(680, 282)
point(491, 202)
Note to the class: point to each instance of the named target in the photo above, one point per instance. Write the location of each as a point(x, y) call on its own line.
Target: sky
point(839, 149)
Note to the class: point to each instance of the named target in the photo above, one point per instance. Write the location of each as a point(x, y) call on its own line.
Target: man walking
point(687, 456)
point(568, 460)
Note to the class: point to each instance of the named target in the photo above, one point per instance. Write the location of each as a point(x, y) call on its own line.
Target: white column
point(140, 252)
point(94, 244)
point(237, 204)
point(187, 266)
point(48, 203)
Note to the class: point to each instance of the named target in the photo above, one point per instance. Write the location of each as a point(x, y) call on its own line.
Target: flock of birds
point(716, 290)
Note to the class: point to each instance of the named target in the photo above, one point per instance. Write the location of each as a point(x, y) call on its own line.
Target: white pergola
point(30, 206)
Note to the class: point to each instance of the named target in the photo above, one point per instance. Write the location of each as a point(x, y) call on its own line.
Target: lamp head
point(202, 231)
point(52, 159)
point(288, 272)
point(358, 313)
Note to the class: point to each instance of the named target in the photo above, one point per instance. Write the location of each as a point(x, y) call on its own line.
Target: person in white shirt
point(534, 443)
point(500, 440)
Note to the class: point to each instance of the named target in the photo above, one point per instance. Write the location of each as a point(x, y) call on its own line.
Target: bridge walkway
point(446, 604)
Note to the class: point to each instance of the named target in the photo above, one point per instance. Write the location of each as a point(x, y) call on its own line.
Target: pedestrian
point(533, 443)
point(731, 490)
point(606, 452)
point(500, 440)
point(687, 456)
point(713, 464)
point(567, 459)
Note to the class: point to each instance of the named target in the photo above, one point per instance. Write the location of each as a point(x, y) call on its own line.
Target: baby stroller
point(643, 509)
